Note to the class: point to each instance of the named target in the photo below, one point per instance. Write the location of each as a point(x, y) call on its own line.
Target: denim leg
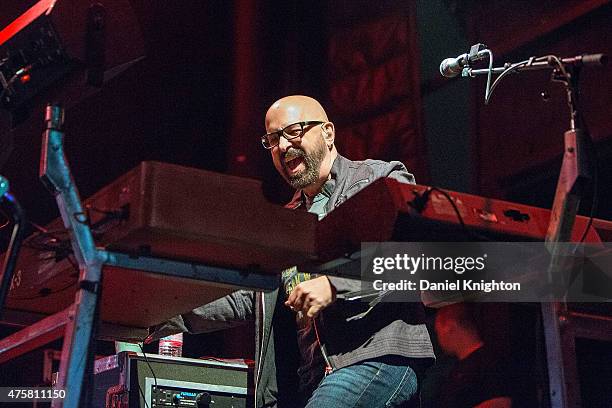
point(369, 384)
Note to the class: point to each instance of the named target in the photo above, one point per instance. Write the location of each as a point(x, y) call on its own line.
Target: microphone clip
point(477, 52)
point(452, 67)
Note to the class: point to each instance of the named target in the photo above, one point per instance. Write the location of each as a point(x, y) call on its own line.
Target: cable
point(507, 71)
point(43, 231)
point(8, 220)
point(261, 346)
point(148, 364)
point(328, 366)
point(422, 200)
point(47, 240)
point(142, 395)
point(8, 85)
point(39, 227)
point(560, 66)
point(521, 64)
point(46, 294)
point(5, 215)
point(453, 204)
point(487, 89)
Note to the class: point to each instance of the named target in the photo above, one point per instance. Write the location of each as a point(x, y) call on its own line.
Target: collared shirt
point(317, 205)
point(312, 364)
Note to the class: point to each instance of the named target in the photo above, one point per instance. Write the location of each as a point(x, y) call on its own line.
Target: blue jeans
point(386, 382)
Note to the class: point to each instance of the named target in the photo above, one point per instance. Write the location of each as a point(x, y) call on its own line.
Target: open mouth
point(294, 163)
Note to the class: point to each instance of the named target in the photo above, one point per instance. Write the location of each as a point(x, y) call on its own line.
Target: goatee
point(312, 166)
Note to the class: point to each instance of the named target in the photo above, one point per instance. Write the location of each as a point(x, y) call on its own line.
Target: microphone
point(451, 67)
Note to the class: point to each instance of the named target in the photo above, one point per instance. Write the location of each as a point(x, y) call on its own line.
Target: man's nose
point(283, 144)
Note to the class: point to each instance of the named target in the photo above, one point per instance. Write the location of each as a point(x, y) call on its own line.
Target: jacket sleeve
point(226, 312)
point(344, 285)
point(397, 171)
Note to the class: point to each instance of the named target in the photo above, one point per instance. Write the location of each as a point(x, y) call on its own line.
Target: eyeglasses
point(289, 132)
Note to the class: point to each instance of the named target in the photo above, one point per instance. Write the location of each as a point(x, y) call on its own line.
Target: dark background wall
point(213, 67)
point(512, 147)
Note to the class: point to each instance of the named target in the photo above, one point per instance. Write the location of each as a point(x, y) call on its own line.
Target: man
point(479, 379)
point(372, 361)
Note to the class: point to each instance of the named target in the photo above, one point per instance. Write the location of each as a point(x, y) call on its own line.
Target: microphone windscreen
point(595, 59)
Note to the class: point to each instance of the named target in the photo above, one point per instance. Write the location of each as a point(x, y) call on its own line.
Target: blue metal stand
point(55, 173)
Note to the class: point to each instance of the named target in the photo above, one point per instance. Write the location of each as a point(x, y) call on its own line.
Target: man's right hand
point(312, 296)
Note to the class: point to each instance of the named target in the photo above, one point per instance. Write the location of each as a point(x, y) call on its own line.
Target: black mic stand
point(17, 237)
point(575, 175)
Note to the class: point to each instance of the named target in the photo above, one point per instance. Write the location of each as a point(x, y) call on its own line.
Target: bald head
point(305, 156)
point(292, 109)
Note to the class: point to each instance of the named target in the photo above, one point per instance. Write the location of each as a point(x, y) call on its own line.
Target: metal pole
point(55, 173)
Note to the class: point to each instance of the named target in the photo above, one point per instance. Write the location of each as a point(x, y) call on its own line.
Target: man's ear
point(329, 133)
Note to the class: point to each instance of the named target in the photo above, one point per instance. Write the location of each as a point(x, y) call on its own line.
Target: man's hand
point(312, 296)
